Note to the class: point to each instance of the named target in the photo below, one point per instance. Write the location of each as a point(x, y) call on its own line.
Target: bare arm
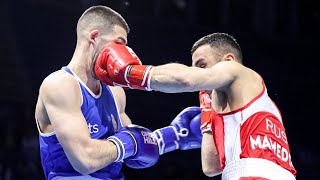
point(174, 77)
point(120, 97)
point(209, 156)
point(61, 97)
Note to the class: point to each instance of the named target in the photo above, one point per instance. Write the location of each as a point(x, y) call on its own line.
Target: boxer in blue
point(84, 132)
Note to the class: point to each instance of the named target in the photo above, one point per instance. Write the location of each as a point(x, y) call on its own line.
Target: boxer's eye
point(120, 40)
point(202, 65)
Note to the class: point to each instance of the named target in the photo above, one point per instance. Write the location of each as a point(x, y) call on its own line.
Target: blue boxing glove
point(183, 132)
point(136, 146)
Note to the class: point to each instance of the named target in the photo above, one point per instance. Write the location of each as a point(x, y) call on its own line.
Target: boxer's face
point(205, 57)
point(117, 35)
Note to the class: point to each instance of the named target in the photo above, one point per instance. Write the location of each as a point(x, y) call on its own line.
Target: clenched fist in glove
point(118, 65)
point(183, 132)
point(136, 146)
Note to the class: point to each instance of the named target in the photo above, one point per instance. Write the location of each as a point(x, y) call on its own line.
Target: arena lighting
point(181, 4)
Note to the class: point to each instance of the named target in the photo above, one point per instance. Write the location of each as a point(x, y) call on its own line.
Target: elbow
point(211, 171)
point(83, 163)
point(83, 168)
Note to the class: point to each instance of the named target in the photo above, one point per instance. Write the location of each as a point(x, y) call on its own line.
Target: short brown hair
point(101, 17)
point(222, 41)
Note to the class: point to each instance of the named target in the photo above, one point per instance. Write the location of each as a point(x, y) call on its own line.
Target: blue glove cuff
point(167, 139)
point(126, 144)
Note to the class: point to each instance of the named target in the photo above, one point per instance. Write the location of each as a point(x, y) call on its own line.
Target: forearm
point(169, 78)
point(93, 156)
point(209, 156)
point(173, 78)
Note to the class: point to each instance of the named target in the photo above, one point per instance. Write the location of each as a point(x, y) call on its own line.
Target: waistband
point(85, 177)
point(255, 167)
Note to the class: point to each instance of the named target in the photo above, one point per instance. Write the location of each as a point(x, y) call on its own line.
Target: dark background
point(279, 40)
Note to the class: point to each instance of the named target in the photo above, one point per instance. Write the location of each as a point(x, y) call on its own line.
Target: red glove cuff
point(139, 76)
point(206, 121)
point(206, 108)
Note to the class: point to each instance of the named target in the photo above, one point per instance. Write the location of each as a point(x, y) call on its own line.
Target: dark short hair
point(222, 41)
point(101, 17)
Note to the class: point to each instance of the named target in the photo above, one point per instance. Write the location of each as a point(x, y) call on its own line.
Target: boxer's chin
point(94, 75)
point(94, 60)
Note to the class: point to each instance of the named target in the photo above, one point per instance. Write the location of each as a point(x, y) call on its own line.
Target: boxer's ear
point(93, 36)
point(229, 57)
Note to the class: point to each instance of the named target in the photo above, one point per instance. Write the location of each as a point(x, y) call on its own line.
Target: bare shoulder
point(56, 91)
point(58, 85)
point(248, 83)
point(119, 95)
point(251, 75)
point(230, 65)
point(117, 91)
point(237, 69)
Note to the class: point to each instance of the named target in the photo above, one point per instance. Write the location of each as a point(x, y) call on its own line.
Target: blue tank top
point(98, 111)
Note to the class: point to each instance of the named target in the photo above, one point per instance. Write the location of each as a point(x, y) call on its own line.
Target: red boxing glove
point(119, 65)
point(100, 69)
point(206, 108)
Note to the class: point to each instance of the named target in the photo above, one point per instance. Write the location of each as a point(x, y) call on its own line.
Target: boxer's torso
point(254, 130)
point(101, 114)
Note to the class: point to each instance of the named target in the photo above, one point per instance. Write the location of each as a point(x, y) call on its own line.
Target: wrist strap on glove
point(139, 76)
point(125, 148)
point(168, 138)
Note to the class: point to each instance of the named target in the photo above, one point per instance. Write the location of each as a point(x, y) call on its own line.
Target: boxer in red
point(243, 133)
